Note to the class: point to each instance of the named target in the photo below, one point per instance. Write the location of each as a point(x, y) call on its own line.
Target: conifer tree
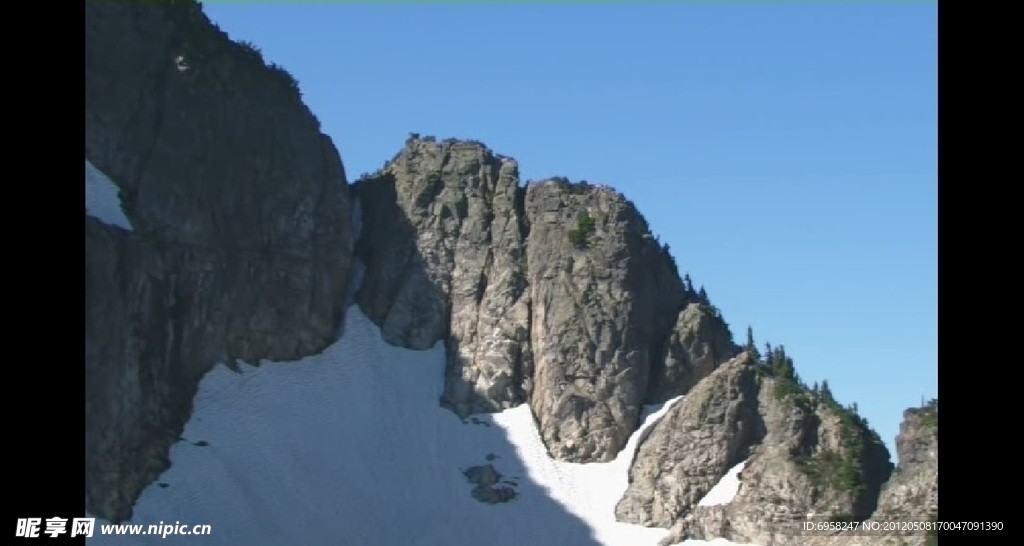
point(826, 393)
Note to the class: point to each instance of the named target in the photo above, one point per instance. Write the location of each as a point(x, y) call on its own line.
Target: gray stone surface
point(691, 447)
point(242, 242)
point(699, 343)
point(443, 247)
point(601, 312)
point(803, 455)
point(553, 294)
point(585, 330)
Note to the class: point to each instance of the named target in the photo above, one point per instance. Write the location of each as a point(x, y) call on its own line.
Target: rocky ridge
point(555, 294)
point(552, 293)
point(806, 458)
point(912, 494)
point(241, 246)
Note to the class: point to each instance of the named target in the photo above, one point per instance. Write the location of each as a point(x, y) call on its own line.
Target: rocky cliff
point(556, 294)
point(912, 493)
point(804, 455)
point(242, 241)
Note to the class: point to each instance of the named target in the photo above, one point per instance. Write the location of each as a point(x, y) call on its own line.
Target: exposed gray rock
point(443, 246)
point(494, 495)
point(807, 456)
point(917, 444)
point(604, 296)
point(485, 478)
point(910, 495)
point(482, 475)
point(692, 446)
point(242, 242)
point(557, 294)
point(699, 343)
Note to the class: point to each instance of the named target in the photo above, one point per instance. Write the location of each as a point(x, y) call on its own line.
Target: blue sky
point(787, 152)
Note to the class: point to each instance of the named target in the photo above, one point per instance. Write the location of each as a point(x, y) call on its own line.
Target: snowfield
point(350, 447)
point(725, 490)
point(102, 198)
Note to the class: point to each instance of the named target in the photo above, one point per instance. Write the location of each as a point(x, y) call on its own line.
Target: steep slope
point(240, 243)
point(556, 293)
point(444, 256)
point(804, 456)
point(218, 229)
point(604, 297)
point(362, 454)
point(912, 494)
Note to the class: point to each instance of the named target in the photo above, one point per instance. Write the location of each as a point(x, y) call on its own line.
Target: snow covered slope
point(102, 200)
point(350, 447)
point(725, 490)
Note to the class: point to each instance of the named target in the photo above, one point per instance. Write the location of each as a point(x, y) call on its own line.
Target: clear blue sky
point(787, 152)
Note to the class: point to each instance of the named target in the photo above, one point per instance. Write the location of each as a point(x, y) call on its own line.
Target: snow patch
point(102, 198)
point(350, 446)
point(726, 489)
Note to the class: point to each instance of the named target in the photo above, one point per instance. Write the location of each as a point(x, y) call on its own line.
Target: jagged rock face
point(806, 456)
point(242, 241)
point(797, 470)
point(602, 306)
point(443, 246)
point(917, 444)
point(912, 494)
point(688, 451)
point(699, 343)
point(455, 250)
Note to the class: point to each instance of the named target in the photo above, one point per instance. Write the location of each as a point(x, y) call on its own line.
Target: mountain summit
point(557, 315)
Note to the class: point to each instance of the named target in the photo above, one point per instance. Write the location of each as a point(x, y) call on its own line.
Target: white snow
point(725, 490)
point(351, 447)
point(102, 200)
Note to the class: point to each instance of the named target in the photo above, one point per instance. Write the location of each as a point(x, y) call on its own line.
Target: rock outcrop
point(699, 343)
point(443, 247)
point(684, 455)
point(553, 294)
point(805, 455)
point(242, 240)
point(604, 297)
point(912, 493)
point(556, 293)
point(910, 496)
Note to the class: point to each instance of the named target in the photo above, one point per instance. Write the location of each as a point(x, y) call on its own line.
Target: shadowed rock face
point(554, 294)
point(698, 343)
point(911, 494)
point(584, 326)
point(242, 240)
point(443, 246)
